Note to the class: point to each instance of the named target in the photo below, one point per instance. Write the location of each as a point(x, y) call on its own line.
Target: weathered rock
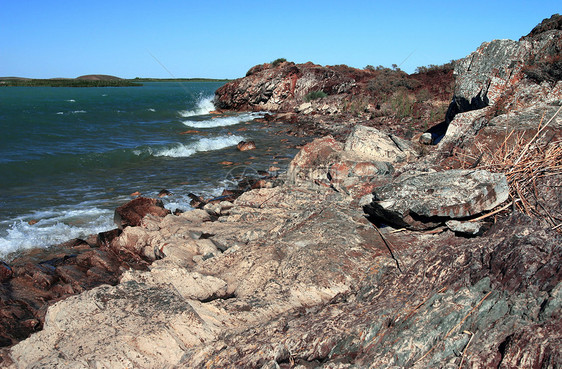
point(370, 143)
point(281, 88)
point(131, 213)
point(423, 201)
point(465, 228)
point(310, 163)
point(250, 283)
point(499, 77)
point(73, 267)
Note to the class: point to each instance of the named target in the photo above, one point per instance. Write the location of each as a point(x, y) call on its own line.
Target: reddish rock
point(5, 272)
point(131, 213)
point(313, 157)
point(280, 88)
point(246, 146)
point(27, 288)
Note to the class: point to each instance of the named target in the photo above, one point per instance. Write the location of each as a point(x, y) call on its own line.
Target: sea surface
point(70, 156)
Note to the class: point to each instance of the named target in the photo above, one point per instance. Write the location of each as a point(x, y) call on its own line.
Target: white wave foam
point(223, 121)
point(60, 113)
point(204, 106)
point(70, 100)
point(151, 109)
point(204, 144)
point(78, 111)
point(55, 226)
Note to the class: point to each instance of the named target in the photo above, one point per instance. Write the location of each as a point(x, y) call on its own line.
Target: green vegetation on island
point(56, 82)
point(93, 81)
point(139, 79)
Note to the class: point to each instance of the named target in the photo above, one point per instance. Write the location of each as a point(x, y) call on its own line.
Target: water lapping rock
point(297, 276)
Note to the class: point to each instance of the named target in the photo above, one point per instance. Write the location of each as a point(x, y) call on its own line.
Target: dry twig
point(524, 162)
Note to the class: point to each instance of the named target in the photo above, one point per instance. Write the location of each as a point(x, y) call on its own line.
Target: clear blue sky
point(223, 39)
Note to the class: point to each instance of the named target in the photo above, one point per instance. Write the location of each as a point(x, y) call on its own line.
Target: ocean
point(70, 156)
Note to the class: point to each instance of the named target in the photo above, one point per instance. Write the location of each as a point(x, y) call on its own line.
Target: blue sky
point(223, 39)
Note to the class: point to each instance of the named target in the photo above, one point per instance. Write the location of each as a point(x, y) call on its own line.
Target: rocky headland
point(391, 241)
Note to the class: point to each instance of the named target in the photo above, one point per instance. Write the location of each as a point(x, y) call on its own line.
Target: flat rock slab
point(426, 200)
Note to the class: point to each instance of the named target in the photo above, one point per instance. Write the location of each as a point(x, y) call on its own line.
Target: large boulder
point(366, 155)
point(371, 144)
point(426, 200)
point(131, 213)
point(311, 162)
point(502, 76)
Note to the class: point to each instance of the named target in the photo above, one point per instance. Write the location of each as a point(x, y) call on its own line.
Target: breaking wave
point(181, 150)
point(223, 121)
point(204, 105)
point(53, 227)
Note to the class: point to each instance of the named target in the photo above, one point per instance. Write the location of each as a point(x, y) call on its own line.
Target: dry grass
point(525, 161)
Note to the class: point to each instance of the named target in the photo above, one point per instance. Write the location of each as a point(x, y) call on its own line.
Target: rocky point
point(373, 250)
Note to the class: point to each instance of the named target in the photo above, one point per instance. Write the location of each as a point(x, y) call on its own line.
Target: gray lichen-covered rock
point(465, 228)
point(372, 144)
point(426, 200)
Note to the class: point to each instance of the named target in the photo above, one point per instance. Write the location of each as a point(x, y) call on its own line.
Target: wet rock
point(131, 213)
point(164, 193)
point(422, 201)
point(246, 146)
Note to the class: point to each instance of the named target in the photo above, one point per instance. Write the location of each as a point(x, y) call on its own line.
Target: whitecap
point(78, 111)
point(54, 226)
point(70, 100)
point(151, 109)
point(223, 121)
point(204, 106)
point(203, 144)
point(60, 113)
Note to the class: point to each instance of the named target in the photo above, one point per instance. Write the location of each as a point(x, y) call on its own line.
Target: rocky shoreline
point(375, 249)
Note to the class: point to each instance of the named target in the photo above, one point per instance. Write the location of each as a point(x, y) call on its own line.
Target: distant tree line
point(66, 83)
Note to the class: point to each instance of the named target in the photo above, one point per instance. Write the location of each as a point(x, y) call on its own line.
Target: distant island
point(92, 80)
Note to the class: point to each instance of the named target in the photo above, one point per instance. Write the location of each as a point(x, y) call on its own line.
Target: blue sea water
point(69, 156)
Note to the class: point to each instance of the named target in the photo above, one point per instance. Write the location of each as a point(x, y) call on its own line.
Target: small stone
point(426, 138)
point(246, 146)
point(164, 193)
point(465, 228)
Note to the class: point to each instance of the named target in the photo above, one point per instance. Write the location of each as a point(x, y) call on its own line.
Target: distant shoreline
point(87, 81)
